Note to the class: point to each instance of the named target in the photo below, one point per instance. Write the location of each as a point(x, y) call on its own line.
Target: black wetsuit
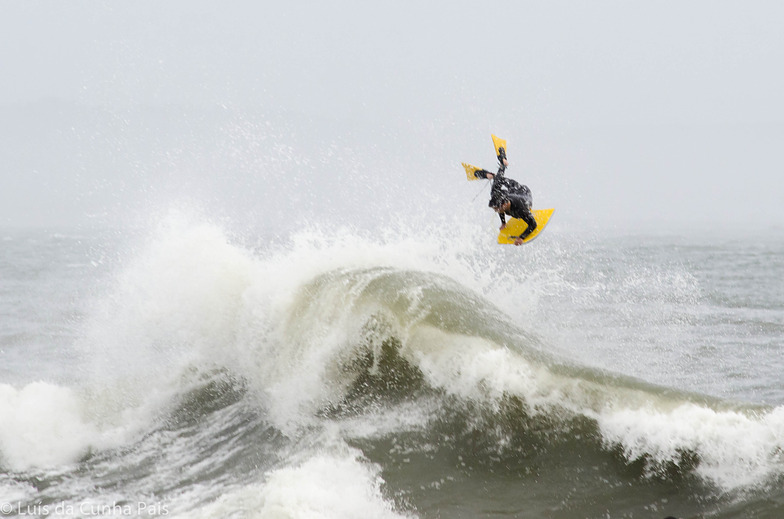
point(520, 207)
point(518, 195)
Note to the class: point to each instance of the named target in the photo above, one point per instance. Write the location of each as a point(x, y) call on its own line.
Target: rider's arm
point(529, 219)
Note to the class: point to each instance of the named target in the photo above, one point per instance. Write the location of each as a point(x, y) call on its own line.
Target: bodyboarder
point(509, 197)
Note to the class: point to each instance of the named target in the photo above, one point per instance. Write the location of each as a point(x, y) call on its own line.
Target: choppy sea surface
point(189, 371)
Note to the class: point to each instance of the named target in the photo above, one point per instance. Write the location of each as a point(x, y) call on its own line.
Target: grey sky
point(614, 110)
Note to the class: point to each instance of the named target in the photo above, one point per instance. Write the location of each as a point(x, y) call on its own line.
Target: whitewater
point(193, 370)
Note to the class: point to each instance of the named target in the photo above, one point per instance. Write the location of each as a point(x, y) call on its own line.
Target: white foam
point(735, 449)
point(46, 425)
point(477, 369)
point(13, 491)
point(338, 485)
point(180, 295)
point(326, 486)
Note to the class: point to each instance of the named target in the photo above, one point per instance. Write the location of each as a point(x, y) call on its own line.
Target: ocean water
point(189, 370)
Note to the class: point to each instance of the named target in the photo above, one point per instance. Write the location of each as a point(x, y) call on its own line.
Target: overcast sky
point(662, 112)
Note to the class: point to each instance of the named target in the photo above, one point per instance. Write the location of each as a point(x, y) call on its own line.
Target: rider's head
point(497, 202)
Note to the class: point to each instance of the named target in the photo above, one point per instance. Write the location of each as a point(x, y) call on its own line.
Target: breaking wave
point(221, 374)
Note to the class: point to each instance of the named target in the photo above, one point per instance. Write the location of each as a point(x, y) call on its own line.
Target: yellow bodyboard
point(470, 170)
point(498, 143)
point(515, 227)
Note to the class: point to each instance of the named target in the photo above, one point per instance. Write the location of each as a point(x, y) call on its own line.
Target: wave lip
point(729, 446)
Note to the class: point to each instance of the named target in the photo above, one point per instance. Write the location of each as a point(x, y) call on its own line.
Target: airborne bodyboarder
point(509, 197)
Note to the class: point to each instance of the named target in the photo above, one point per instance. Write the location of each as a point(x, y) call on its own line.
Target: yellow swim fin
point(470, 170)
point(499, 144)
